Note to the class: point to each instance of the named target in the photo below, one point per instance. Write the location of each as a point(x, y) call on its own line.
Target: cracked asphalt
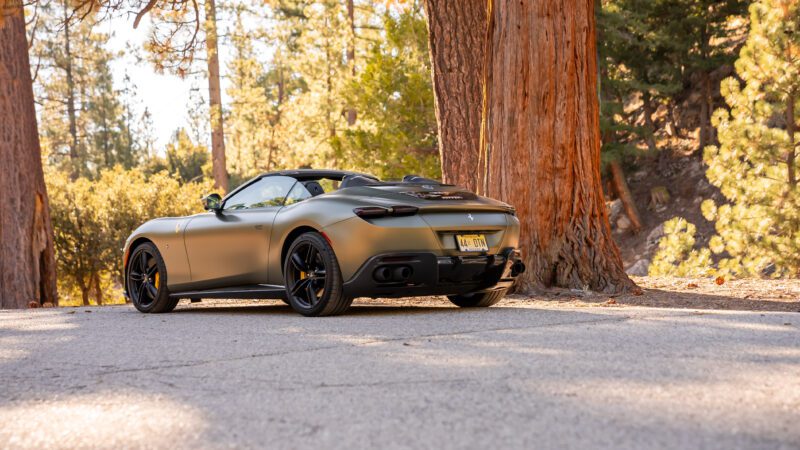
point(518, 375)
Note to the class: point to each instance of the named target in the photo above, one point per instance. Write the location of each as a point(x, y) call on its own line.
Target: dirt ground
point(689, 293)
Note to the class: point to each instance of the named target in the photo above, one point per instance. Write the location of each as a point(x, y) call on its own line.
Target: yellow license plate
point(472, 243)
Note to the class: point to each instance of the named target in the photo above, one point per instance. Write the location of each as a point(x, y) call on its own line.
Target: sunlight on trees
point(756, 165)
point(91, 220)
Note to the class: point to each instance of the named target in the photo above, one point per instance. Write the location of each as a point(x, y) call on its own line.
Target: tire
point(314, 285)
point(146, 280)
point(480, 300)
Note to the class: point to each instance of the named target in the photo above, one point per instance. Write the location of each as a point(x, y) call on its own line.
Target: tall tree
point(219, 168)
point(540, 141)
point(176, 31)
point(456, 32)
point(27, 265)
point(757, 166)
point(396, 130)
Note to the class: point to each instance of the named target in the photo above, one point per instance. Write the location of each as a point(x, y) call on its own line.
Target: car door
point(230, 248)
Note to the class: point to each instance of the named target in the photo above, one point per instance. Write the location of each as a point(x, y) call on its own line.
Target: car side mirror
point(212, 202)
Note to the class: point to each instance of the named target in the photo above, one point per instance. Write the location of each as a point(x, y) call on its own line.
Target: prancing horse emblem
point(469, 216)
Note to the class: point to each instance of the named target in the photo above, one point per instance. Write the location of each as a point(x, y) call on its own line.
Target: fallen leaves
point(720, 281)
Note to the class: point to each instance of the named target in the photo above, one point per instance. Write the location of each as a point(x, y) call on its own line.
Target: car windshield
point(265, 192)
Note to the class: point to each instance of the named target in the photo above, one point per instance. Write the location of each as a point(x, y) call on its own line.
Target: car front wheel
point(146, 280)
point(314, 285)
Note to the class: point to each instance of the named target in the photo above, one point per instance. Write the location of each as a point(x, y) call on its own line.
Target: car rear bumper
point(415, 274)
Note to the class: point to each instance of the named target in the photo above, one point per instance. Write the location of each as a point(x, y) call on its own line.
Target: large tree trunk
point(540, 142)
point(27, 264)
point(456, 32)
point(218, 164)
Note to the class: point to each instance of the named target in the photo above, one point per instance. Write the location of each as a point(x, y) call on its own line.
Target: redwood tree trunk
point(456, 32)
point(540, 142)
point(27, 264)
point(218, 163)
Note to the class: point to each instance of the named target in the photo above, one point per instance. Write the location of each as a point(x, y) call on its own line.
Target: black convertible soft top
point(348, 178)
point(318, 174)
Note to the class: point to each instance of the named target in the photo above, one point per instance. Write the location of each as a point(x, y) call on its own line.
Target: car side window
point(297, 194)
point(268, 191)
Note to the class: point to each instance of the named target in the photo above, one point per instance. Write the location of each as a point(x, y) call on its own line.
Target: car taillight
point(403, 210)
point(374, 212)
point(371, 212)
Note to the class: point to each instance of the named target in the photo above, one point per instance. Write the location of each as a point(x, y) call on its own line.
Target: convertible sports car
point(282, 235)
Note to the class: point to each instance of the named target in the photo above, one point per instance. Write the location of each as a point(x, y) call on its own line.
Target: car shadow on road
point(280, 308)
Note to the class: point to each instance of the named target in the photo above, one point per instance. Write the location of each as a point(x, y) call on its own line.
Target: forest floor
point(689, 293)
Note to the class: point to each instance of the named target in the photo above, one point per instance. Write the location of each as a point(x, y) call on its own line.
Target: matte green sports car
point(283, 235)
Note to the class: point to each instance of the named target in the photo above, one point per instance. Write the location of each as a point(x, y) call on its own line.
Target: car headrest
point(356, 180)
point(419, 179)
point(314, 188)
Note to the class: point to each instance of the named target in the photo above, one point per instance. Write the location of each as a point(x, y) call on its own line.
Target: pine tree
point(249, 122)
point(84, 125)
point(756, 165)
point(396, 130)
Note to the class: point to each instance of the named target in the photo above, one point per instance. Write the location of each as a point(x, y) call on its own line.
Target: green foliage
point(759, 227)
point(650, 51)
point(184, 159)
point(676, 255)
point(396, 131)
point(92, 218)
point(103, 134)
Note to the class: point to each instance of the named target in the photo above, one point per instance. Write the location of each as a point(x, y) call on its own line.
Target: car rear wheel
point(314, 285)
point(478, 300)
point(146, 280)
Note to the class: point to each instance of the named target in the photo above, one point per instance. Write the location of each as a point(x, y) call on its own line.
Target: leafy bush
point(676, 255)
point(92, 219)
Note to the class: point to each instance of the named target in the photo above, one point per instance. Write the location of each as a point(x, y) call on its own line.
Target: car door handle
point(259, 227)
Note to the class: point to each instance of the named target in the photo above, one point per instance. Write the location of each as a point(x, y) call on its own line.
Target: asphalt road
point(514, 376)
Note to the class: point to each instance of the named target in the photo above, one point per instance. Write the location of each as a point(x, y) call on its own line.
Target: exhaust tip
point(382, 274)
point(401, 273)
point(517, 268)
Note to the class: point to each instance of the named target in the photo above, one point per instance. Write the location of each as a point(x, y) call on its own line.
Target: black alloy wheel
point(308, 275)
point(312, 277)
point(147, 279)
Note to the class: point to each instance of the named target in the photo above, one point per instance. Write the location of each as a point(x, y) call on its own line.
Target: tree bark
point(71, 114)
point(705, 113)
point(27, 263)
point(219, 168)
point(456, 34)
point(647, 110)
point(790, 130)
point(624, 194)
point(351, 54)
point(540, 142)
